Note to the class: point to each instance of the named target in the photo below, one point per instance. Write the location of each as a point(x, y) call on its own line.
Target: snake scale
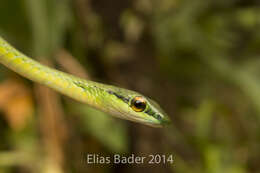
point(122, 103)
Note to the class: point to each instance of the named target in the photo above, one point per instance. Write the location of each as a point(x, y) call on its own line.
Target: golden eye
point(138, 104)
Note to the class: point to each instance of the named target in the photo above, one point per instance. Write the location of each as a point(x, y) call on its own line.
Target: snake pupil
point(138, 104)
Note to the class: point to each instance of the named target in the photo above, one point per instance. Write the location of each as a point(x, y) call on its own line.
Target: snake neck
point(74, 87)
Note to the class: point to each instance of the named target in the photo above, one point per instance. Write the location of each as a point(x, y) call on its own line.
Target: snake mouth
point(161, 123)
point(164, 121)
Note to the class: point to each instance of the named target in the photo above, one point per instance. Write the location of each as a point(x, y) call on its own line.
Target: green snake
point(122, 103)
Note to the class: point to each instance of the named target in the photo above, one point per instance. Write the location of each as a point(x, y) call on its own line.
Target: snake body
point(116, 101)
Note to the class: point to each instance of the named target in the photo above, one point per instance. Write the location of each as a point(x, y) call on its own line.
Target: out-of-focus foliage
point(198, 59)
point(16, 103)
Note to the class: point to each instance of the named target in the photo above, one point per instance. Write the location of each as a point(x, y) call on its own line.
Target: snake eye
point(138, 104)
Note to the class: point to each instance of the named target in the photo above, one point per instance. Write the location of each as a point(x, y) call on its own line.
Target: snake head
point(134, 106)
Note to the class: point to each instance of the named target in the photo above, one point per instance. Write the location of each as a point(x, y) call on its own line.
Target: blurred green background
point(198, 59)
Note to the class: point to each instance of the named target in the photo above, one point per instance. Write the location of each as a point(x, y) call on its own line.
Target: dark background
point(198, 59)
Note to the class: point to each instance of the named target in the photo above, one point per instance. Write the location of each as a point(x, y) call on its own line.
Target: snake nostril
point(158, 117)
